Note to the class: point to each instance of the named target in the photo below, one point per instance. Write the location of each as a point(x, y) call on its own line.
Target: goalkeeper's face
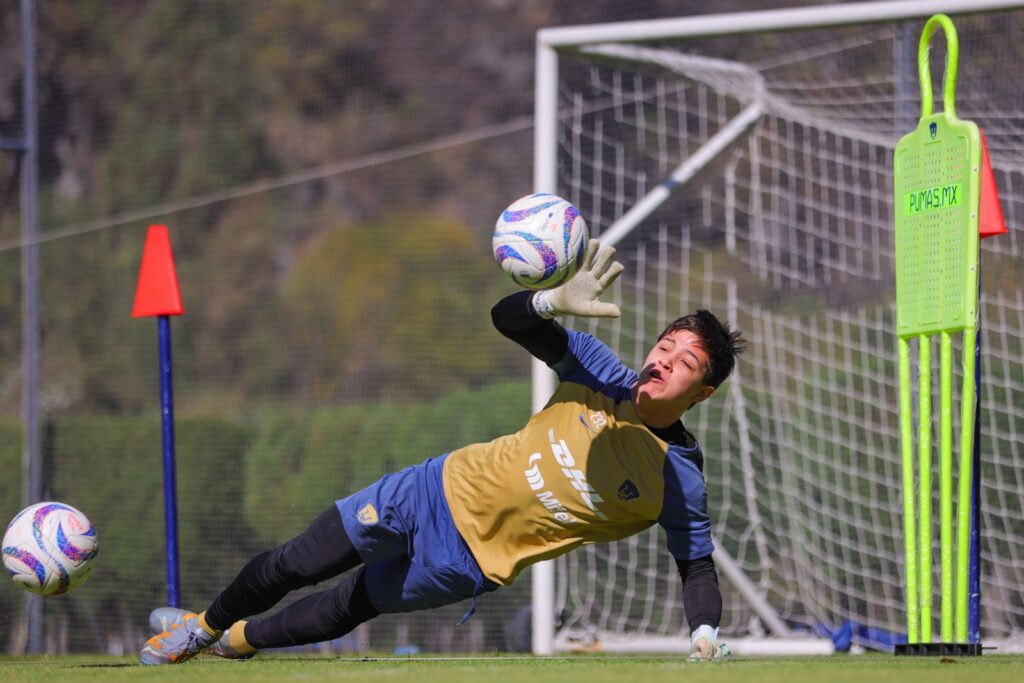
point(672, 378)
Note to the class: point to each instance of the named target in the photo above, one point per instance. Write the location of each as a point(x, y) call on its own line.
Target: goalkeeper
point(606, 458)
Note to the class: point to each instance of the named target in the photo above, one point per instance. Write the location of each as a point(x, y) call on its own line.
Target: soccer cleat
point(163, 618)
point(180, 642)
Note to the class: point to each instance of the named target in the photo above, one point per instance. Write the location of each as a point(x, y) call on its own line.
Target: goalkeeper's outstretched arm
point(515, 318)
point(527, 318)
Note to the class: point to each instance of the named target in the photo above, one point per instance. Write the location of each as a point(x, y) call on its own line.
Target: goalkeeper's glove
point(581, 295)
point(704, 645)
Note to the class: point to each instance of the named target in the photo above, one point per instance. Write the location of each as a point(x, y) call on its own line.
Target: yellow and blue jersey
point(585, 469)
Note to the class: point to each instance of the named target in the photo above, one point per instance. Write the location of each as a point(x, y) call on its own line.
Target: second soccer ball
point(48, 548)
point(539, 241)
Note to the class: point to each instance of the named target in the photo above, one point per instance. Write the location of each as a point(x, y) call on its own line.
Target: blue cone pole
point(170, 487)
point(974, 566)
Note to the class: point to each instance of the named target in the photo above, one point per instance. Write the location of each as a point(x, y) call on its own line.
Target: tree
point(391, 309)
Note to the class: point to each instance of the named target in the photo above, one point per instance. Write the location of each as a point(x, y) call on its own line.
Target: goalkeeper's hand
point(704, 645)
point(581, 295)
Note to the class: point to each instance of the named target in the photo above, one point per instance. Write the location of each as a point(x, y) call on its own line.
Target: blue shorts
point(402, 528)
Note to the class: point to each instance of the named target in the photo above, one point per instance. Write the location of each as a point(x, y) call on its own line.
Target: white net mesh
point(788, 234)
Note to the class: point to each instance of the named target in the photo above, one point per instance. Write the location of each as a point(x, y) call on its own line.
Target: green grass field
point(596, 669)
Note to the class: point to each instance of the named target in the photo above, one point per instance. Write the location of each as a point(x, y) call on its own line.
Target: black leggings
point(321, 552)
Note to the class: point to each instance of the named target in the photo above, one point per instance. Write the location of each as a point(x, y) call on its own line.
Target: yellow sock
point(206, 627)
point(237, 641)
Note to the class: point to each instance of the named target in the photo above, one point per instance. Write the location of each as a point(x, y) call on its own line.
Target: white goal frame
point(549, 42)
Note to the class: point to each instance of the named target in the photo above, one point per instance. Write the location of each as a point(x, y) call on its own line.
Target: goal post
point(742, 162)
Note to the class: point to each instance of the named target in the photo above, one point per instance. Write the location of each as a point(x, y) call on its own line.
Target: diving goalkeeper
point(605, 459)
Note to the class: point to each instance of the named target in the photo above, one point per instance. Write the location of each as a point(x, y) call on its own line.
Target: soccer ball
point(49, 547)
point(539, 241)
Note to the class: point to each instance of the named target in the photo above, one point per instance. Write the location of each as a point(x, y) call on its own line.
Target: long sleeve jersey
point(585, 469)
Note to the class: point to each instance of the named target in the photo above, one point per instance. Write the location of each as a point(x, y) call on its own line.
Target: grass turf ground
point(591, 669)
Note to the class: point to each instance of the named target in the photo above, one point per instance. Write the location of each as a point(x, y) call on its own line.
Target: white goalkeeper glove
point(582, 294)
point(704, 645)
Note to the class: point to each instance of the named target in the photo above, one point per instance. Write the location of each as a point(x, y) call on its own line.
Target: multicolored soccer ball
point(539, 241)
point(49, 548)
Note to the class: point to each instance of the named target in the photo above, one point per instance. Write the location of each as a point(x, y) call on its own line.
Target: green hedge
point(300, 464)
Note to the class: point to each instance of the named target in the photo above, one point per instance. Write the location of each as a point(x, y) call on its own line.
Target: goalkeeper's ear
point(704, 394)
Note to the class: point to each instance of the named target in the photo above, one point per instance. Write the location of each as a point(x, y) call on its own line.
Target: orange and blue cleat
point(164, 618)
point(180, 641)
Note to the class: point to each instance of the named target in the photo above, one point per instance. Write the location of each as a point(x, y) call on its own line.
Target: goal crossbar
point(731, 23)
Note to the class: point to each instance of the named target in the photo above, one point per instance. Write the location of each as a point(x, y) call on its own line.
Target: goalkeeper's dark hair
point(721, 344)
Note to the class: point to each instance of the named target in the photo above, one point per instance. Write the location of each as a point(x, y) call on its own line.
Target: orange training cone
point(157, 292)
point(990, 213)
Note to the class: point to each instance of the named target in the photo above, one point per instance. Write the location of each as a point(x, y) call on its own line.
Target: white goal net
point(772, 151)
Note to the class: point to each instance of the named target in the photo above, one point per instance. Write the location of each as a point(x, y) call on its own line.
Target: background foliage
point(329, 172)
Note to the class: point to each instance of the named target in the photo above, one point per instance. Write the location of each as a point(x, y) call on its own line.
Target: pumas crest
point(367, 515)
